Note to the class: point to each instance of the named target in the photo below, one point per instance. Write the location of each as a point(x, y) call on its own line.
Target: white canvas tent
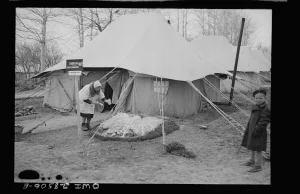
point(259, 63)
point(221, 53)
point(263, 60)
point(147, 45)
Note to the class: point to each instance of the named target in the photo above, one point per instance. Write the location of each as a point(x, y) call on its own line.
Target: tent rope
point(249, 87)
point(234, 123)
point(111, 77)
point(219, 91)
point(243, 95)
point(33, 82)
point(44, 121)
point(254, 84)
point(263, 76)
point(28, 98)
point(33, 77)
point(108, 73)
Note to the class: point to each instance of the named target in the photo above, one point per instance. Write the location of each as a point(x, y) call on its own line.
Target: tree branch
point(29, 29)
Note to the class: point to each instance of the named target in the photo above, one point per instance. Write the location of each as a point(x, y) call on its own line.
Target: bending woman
point(87, 100)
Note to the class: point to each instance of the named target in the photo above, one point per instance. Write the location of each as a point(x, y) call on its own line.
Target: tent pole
point(162, 113)
point(76, 78)
point(236, 60)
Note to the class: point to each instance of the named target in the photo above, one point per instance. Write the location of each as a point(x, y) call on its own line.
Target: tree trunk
point(81, 28)
point(214, 27)
point(178, 20)
point(91, 35)
point(43, 42)
point(203, 23)
point(24, 72)
point(183, 23)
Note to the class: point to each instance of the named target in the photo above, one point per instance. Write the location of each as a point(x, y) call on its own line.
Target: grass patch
point(178, 149)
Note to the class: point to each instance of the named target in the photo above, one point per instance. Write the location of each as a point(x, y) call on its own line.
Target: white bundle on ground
point(115, 120)
point(124, 125)
point(144, 126)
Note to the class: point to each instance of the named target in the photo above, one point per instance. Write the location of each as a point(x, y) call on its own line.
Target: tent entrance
point(108, 92)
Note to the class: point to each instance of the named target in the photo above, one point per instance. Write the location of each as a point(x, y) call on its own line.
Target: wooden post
point(76, 78)
point(162, 113)
point(236, 61)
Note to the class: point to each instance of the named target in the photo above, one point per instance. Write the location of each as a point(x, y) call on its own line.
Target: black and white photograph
point(142, 95)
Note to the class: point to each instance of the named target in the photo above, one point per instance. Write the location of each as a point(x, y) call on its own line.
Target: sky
point(263, 20)
point(69, 42)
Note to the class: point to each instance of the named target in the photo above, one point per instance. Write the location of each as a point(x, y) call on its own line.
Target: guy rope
point(234, 123)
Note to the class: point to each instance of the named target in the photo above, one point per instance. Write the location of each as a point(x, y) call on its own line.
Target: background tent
point(263, 60)
point(222, 54)
point(259, 63)
point(147, 44)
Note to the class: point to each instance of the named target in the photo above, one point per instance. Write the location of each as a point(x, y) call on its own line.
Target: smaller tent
point(222, 54)
point(263, 60)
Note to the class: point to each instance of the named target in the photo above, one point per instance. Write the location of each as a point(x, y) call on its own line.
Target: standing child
point(255, 137)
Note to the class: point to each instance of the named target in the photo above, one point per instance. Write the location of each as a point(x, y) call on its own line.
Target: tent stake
point(236, 60)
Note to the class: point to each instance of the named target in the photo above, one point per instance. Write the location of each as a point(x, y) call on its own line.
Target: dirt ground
point(217, 161)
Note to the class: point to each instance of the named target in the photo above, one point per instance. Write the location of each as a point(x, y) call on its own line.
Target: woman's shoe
point(83, 127)
point(88, 126)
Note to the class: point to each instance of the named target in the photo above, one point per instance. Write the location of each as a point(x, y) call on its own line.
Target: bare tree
point(99, 19)
point(27, 56)
point(178, 20)
point(201, 21)
point(91, 23)
point(22, 59)
point(31, 24)
point(226, 23)
point(53, 56)
point(249, 30)
point(186, 22)
point(183, 21)
point(76, 14)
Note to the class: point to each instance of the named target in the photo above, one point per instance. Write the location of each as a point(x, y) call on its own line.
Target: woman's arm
point(87, 101)
point(103, 98)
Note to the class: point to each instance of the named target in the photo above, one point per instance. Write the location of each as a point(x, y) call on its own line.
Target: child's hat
point(260, 90)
